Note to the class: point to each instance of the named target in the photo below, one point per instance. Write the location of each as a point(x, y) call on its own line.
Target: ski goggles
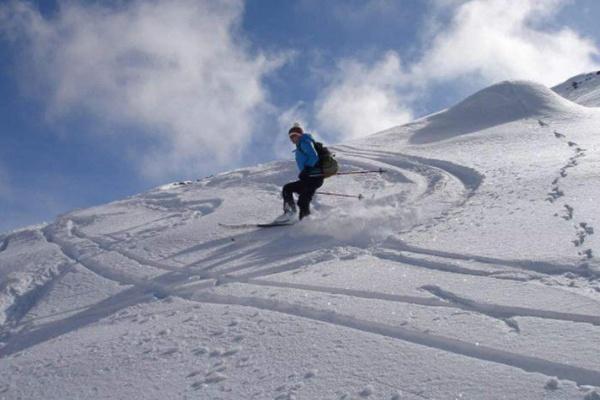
point(292, 134)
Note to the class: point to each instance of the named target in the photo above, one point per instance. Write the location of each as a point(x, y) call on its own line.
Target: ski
point(256, 225)
point(238, 226)
point(274, 224)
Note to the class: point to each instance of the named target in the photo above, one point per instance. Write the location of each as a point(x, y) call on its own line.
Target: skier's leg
point(304, 204)
point(288, 194)
point(309, 187)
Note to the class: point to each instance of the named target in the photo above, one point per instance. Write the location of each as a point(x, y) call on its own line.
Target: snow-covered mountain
point(469, 270)
point(582, 89)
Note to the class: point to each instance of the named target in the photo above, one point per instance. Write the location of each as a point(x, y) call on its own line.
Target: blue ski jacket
point(306, 155)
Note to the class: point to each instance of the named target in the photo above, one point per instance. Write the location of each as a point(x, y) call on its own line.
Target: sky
point(100, 100)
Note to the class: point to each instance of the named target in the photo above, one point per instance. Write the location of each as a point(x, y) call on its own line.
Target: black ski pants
point(306, 188)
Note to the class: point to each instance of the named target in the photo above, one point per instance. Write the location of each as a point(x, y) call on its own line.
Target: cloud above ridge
point(465, 44)
point(503, 39)
point(364, 99)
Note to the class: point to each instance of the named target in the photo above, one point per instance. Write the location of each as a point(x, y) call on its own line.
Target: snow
point(468, 270)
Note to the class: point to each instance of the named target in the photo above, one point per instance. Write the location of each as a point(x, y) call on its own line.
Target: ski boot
point(288, 216)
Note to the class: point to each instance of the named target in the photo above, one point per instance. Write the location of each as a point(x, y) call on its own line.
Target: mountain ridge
point(583, 89)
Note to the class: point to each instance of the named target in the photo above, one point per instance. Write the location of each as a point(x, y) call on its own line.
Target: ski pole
point(356, 196)
point(375, 171)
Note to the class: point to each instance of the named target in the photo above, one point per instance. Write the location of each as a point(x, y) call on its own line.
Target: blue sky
point(104, 99)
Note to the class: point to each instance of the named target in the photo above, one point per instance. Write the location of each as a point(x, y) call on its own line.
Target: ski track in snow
point(112, 245)
point(236, 259)
point(396, 250)
point(506, 312)
point(532, 364)
point(470, 178)
point(177, 284)
point(581, 376)
point(24, 303)
point(440, 175)
point(38, 288)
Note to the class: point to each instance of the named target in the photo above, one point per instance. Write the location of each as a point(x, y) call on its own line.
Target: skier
point(307, 160)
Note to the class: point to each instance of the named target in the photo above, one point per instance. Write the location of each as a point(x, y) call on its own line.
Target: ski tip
point(271, 225)
point(260, 225)
point(237, 226)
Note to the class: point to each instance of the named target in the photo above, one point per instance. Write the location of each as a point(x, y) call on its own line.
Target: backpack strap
point(313, 142)
point(318, 164)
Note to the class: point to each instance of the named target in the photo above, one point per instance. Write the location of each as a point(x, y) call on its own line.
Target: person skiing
point(307, 160)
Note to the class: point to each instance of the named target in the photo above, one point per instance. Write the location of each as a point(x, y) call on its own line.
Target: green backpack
point(327, 162)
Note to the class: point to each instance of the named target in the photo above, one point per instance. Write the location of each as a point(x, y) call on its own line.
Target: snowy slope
point(583, 89)
point(470, 270)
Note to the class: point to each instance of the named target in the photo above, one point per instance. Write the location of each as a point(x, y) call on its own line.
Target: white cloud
point(174, 70)
point(503, 39)
point(178, 72)
point(476, 41)
point(363, 99)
